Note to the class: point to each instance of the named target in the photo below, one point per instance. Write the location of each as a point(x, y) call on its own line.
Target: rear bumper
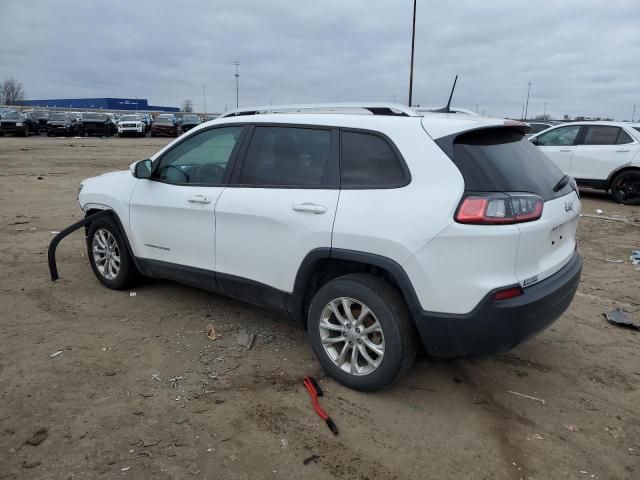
point(496, 327)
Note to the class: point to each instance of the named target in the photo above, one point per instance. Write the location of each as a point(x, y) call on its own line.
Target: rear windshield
point(164, 121)
point(502, 160)
point(11, 116)
point(59, 116)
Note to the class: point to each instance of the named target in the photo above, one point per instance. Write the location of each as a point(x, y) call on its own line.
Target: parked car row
point(88, 123)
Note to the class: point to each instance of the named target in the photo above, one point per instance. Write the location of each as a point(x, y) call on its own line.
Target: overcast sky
point(582, 56)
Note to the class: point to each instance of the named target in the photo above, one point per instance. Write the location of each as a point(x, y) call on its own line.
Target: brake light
point(507, 293)
point(499, 208)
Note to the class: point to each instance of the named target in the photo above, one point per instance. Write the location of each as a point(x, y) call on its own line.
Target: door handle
point(565, 149)
point(199, 199)
point(309, 207)
point(623, 150)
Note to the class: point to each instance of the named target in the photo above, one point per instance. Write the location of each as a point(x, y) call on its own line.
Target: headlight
point(18, 124)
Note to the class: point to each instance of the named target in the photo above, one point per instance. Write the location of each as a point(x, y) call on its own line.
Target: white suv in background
point(131, 125)
point(379, 228)
point(601, 155)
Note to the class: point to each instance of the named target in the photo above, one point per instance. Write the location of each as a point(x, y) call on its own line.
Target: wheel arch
point(94, 208)
point(625, 168)
point(324, 264)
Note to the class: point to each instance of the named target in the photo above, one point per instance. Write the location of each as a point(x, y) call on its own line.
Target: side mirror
point(534, 140)
point(142, 169)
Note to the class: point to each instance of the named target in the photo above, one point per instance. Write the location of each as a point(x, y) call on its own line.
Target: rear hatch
point(506, 172)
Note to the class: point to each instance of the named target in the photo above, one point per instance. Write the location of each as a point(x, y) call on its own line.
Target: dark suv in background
point(64, 124)
point(96, 124)
point(19, 123)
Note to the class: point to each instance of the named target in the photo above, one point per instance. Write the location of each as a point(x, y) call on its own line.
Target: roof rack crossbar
point(374, 108)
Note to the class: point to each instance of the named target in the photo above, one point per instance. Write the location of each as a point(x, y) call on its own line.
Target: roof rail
point(368, 108)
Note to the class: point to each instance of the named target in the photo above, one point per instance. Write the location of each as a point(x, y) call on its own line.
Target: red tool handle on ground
point(315, 391)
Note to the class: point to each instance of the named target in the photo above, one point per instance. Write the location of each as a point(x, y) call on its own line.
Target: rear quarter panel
point(397, 222)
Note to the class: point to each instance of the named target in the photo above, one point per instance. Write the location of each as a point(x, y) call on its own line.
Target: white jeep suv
point(379, 228)
point(601, 155)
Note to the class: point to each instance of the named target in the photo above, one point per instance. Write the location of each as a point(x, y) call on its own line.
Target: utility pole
point(522, 113)
point(413, 43)
point(544, 112)
point(526, 109)
point(237, 64)
point(204, 99)
point(633, 116)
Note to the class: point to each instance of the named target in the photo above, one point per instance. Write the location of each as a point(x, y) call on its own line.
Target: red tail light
point(499, 208)
point(507, 293)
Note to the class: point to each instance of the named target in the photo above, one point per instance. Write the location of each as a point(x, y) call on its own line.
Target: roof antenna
point(447, 109)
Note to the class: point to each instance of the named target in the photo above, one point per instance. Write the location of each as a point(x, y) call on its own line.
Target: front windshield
point(11, 116)
point(164, 121)
point(93, 116)
point(191, 118)
point(58, 116)
point(130, 118)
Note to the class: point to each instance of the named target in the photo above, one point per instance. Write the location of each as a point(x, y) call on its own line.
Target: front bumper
point(496, 327)
point(125, 130)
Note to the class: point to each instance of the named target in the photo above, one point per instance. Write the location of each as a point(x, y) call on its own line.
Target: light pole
point(544, 112)
point(526, 109)
point(204, 99)
point(237, 64)
point(633, 115)
point(413, 43)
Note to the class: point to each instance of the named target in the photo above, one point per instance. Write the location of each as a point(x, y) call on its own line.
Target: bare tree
point(187, 106)
point(11, 92)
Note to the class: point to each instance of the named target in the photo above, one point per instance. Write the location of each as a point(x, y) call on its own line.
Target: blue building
point(100, 103)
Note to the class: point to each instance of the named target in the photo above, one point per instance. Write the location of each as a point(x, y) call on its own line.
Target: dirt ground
point(140, 392)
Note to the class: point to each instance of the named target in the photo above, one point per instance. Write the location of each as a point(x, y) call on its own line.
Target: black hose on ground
point(53, 268)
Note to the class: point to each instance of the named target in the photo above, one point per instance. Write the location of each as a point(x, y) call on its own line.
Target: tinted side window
point(201, 159)
point(559, 137)
point(600, 135)
point(289, 156)
point(368, 161)
point(623, 137)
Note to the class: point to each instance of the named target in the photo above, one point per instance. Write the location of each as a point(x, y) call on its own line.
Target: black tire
point(389, 309)
point(26, 130)
point(625, 187)
point(127, 272)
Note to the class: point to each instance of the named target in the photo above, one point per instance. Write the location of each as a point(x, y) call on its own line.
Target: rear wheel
point(360, 330)
point(108, 255)
point(625, 187)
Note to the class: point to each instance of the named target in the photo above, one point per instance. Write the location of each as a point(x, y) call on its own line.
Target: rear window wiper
point(561, 183)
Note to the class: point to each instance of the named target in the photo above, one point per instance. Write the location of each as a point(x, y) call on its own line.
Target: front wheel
point(108, 255)
point(360, 331)
point(625, 187)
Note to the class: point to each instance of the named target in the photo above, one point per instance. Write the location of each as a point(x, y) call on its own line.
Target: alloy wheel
point(106, 253)
point(352, 336)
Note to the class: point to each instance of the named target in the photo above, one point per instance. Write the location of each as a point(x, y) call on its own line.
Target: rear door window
point(368, 160)
point(502, 160)
point(559, 137)
point(600, 135)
